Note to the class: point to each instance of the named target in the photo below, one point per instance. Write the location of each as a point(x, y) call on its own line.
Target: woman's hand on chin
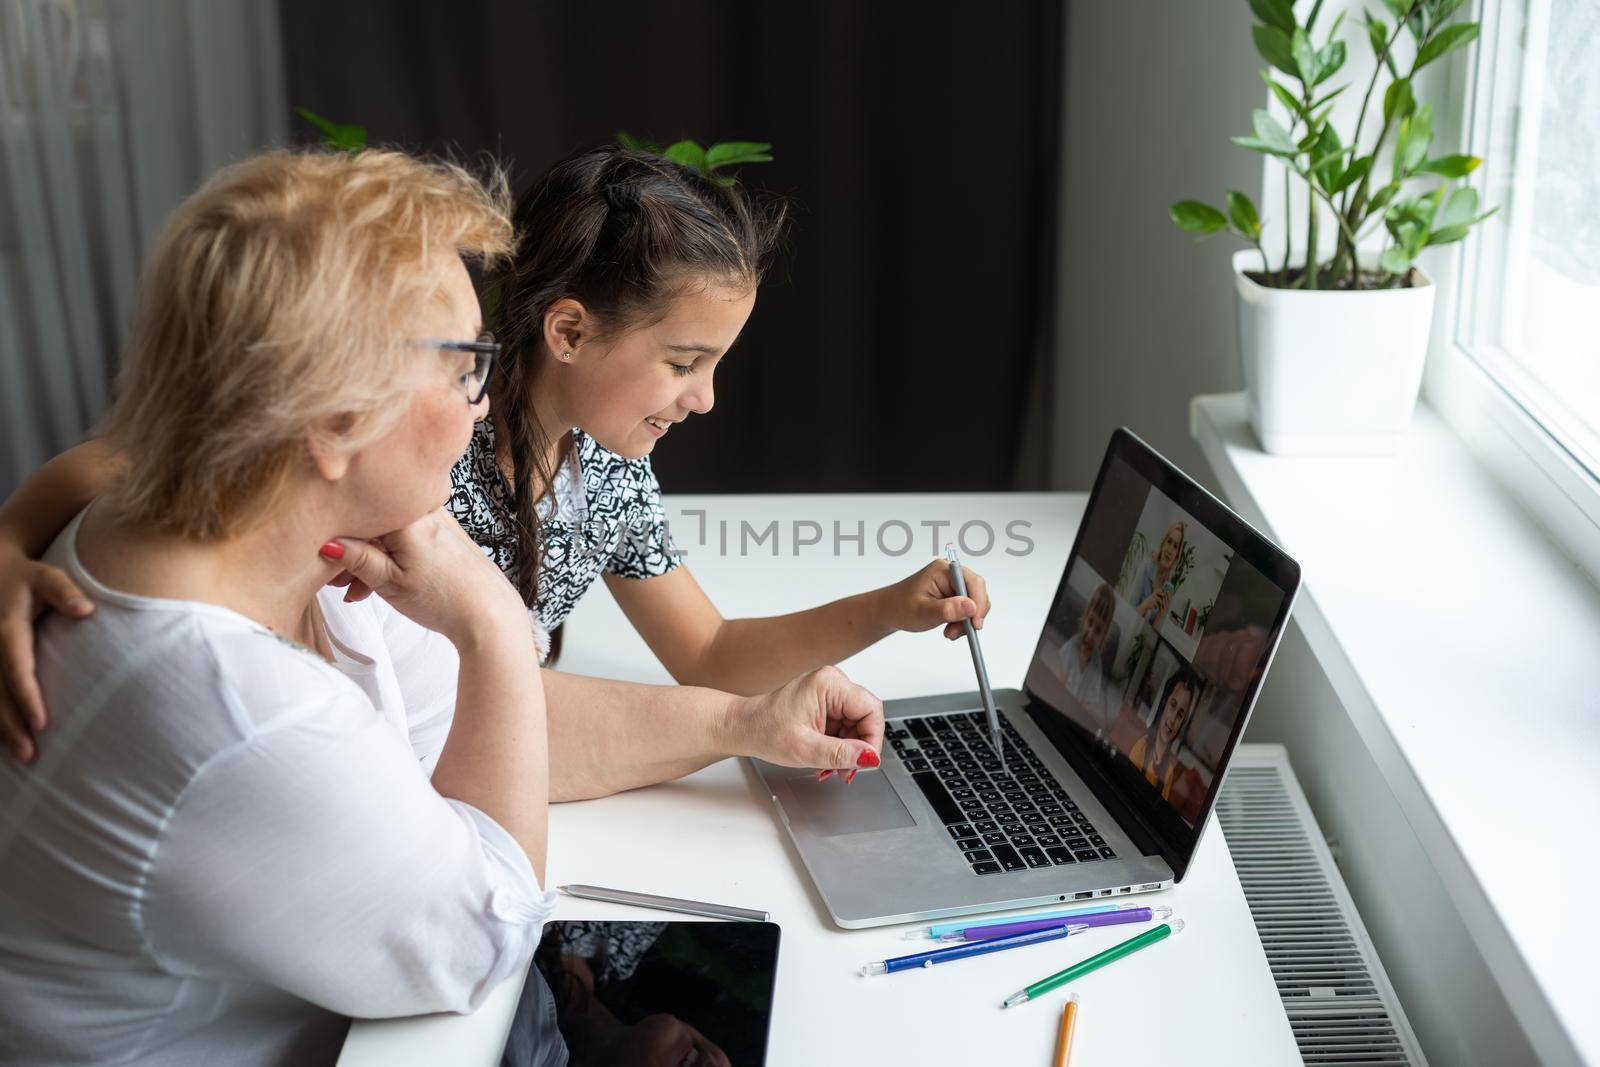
point(821, 719)
point(432, 573)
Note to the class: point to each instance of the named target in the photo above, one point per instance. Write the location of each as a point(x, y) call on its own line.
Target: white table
point(1203, 997)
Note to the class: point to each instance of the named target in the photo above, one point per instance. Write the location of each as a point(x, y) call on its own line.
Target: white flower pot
point(1330, 372)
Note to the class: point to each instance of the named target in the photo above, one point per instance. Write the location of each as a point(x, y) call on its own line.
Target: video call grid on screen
point(1159, 634)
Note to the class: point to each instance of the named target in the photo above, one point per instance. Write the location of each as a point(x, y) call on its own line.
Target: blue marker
point(971, 948)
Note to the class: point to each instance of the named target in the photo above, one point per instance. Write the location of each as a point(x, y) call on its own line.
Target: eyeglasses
point(485, 350)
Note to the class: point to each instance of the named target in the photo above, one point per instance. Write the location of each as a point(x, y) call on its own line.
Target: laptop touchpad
point(831, 808)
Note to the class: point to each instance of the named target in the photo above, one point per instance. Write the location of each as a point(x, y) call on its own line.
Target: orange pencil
point(1069, 1023)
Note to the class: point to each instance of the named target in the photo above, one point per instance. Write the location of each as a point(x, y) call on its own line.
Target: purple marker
point(1104, 918)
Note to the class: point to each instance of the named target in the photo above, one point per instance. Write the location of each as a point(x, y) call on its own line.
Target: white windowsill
point(1464, 647)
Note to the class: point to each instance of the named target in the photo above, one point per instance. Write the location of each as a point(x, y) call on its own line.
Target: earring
point(567, 356)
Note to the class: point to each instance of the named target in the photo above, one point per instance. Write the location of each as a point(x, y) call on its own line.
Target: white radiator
point(1338, 998)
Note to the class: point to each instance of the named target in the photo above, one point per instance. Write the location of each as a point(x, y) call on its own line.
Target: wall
point(1145, 319)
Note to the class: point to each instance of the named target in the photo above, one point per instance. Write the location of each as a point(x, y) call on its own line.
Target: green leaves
point(1196, 217)
point(1416, 131)
point(334, 135)
point(637, 144)
point(1330, 58)
point(733, 153)
point(1409, 223)
point(1329, 95)
point(1314, 65)
point(1459, 209)
point(1276, 13)
point(1326, 155)
point(1377, 34)
point(1340, 175)
point(1381, 198)
point(1378, 37)
point(1398, 101)
point(1446, 41)
point(1458, 215)
point(1395, 260)
point(1285, 97)
point(1242, 213)
point(1270, 137)
point(1428, 221)
point(705, 160)
point(1270, 130)
point(1354, 173)
point(1305, 57)
point(1273, 44)
point(1450, 166)
point(689, 153)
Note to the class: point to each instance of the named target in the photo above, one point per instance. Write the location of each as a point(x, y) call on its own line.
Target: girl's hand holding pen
point(928, 598)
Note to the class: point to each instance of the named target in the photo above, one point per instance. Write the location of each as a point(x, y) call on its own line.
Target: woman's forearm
point(608, 736)
point(496, 757)
point(755, 655)
point(42, 505)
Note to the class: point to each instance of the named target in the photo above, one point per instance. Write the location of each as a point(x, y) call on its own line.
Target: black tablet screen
point(695, 994)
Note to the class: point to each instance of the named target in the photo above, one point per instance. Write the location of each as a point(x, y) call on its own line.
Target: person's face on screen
point(1175, 712)
point(1171, 545)
point(1096, 625)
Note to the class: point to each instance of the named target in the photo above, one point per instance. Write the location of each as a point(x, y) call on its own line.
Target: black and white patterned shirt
point(603, 514)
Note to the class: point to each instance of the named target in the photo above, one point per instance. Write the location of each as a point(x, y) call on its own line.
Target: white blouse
point(228, 844)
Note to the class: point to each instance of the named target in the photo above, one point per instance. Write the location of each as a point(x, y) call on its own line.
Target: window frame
point(1501, 429)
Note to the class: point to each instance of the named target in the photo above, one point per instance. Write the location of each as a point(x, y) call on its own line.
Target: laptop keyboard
point(1000, 822)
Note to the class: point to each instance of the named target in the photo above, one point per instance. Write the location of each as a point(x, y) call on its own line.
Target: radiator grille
point(1338, 999)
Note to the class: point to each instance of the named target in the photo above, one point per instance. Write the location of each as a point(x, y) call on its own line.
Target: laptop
point(1166, 618)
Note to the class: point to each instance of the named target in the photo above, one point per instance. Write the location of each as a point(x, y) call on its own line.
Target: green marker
point(1093, 963)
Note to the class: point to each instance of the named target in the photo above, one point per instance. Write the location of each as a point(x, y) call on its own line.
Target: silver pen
point(977, 660)
point(650, 900)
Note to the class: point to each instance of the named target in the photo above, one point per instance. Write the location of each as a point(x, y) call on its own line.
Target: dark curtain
point(898, 341)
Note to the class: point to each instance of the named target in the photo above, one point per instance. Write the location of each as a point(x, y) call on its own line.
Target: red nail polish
point(823, 776)
point(333, 550)
point(850, 777)
point(868, 758)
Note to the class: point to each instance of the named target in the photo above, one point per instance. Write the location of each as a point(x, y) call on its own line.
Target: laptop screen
point(1157, 641)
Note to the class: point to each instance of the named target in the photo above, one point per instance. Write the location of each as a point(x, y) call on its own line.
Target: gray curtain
point(111, 111)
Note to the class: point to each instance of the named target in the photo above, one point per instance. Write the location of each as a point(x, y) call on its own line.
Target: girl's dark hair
point(623, 233)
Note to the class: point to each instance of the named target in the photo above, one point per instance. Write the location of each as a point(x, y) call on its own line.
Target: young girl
point(1156, 753)
point(634, 279)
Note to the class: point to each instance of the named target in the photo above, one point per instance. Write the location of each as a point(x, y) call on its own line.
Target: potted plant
point(1333, 348)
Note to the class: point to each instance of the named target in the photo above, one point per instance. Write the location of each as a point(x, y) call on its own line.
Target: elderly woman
point(235, 838)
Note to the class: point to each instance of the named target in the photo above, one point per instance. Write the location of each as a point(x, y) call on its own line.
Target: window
point(1528, 311)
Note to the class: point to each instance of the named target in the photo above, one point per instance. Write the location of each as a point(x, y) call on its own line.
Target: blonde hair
point(276, 301)
point(1102, 601)
point(1183, 535)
